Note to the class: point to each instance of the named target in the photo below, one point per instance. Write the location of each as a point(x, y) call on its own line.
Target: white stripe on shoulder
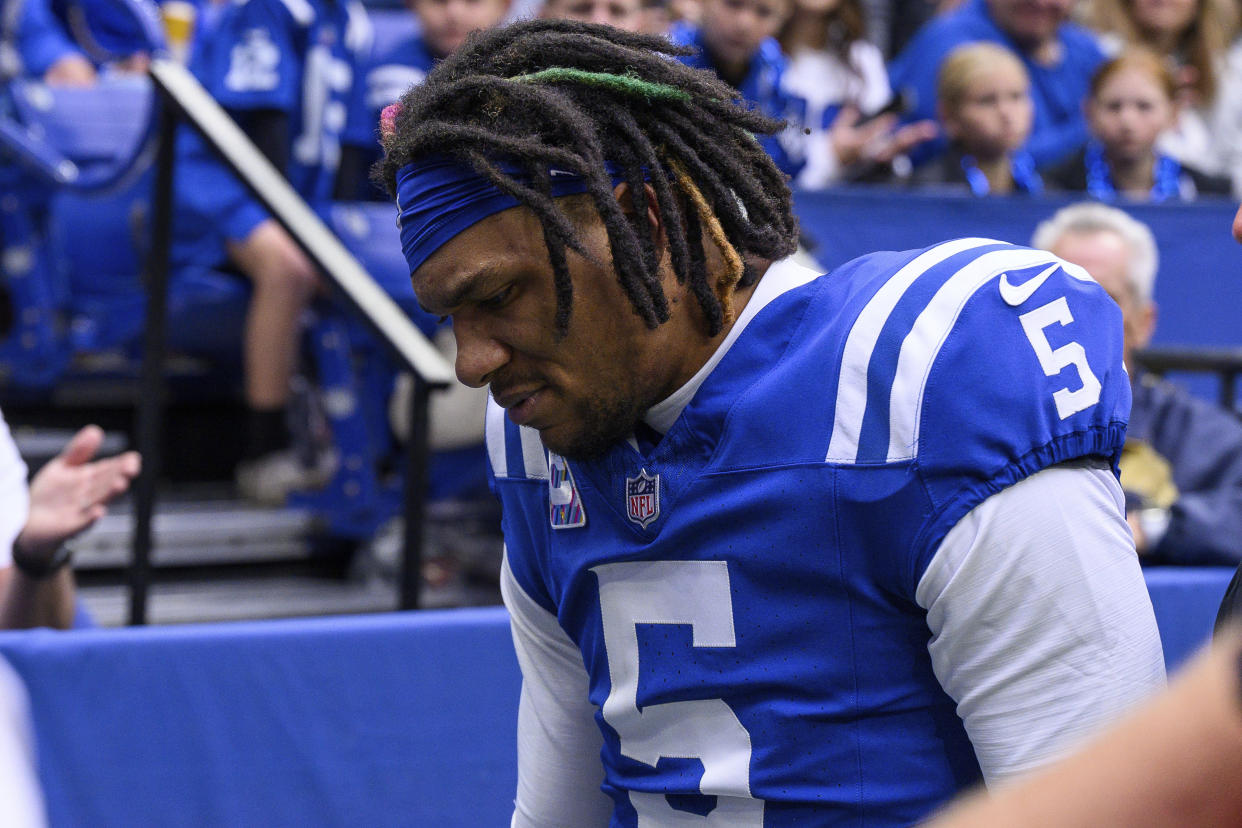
point(494, 430)
point(861, 342)
point(301, 11)
point(534, 456)
point(933, 326)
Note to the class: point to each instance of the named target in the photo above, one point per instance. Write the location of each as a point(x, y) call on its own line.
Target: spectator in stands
point(66, 497)
point(657, 16)
point(985, 106)
point(1059, 58)
point(685, 11)
point(390, 70)
point(1182, 463)
point(1227, 118)
point(835, 79)
point(1133, 100)
point(283, 71)
point(1193, 36)
point(736, 39)
point(36, 39)
point(623, 14)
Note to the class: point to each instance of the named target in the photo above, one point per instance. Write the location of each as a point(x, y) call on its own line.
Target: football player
point(782, 548)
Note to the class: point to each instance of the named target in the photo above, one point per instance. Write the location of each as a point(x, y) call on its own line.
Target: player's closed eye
point(497, 299)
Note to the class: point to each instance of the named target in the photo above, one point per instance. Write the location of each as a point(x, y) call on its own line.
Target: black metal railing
point(1225, 363)
point(184, 101)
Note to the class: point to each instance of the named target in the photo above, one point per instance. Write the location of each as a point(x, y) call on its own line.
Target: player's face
point(446, 23)
point(1164, 17)
point(584, 391)
point(994, 117)
point(1106, 257)
point(1030, 22)
point(623, 14)
point(734, 29)
point(1237, 225)
point(1128, 114)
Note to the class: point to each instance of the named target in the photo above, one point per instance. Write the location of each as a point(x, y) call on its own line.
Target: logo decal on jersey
point(565, 509)
point(642, 498)
point(1015, 295)
point(253, 63)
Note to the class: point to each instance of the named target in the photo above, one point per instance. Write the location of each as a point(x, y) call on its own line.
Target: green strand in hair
point(626, 84)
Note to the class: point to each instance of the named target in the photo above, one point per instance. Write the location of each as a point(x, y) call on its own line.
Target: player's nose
point(479, 354)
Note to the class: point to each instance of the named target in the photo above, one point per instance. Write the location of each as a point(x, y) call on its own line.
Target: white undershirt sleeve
point(14, 494)
point(1042, 628)
point(559, 743)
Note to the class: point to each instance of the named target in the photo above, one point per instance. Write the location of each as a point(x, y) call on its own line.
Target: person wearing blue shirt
point(736, 39)
point(1059, 57)
point(283, 69)
point(35, 41)
point(781, 548)
point(437, 29)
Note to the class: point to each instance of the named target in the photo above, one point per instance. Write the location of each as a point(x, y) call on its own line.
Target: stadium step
point(198, 527)
point(239, 598)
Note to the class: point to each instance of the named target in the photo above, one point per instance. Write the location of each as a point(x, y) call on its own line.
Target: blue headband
point(440, 196)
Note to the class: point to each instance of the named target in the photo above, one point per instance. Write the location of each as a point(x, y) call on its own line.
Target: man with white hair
point(1182, 463)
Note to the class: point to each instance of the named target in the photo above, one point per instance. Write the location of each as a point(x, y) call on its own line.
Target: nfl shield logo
point(642, 498)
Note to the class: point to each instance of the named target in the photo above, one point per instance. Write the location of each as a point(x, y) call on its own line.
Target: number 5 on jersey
point(1035, 323)
point(695, 594)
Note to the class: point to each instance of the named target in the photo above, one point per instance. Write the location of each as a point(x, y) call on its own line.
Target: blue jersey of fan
point(297, 57)
point(381, 81)
point(761, 89)
point(743, 595)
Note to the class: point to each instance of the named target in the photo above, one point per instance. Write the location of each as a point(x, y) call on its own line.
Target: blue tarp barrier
point(1198, 290)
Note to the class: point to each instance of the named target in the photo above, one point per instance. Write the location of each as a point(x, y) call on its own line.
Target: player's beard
point(602, 423)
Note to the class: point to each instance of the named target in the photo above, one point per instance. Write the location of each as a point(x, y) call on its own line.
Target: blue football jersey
point(761, 89)
point(292, 56)
point(743, 595)
point(381, 81)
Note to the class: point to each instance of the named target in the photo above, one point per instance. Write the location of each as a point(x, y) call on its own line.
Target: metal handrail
point(183, 99)
point(1225, 363)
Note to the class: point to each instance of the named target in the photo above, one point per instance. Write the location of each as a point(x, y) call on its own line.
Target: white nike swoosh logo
point(1015, 295)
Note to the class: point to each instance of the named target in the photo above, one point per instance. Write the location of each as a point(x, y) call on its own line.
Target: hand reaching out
point(70, 493)
point(876, 140)
point(70, 70)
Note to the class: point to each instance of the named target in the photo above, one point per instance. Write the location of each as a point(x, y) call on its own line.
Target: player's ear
point(655, 220)
point(1146, 325)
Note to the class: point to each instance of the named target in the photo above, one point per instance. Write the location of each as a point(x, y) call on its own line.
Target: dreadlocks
point(551, 94)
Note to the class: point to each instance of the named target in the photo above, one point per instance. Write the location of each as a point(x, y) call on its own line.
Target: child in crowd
point(1194, 37)
point(283, 71)
point(391, 70)
point(984, 103)
point(838, 83)
point(1132, 101)
point(736, 40)
point(621, 14)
